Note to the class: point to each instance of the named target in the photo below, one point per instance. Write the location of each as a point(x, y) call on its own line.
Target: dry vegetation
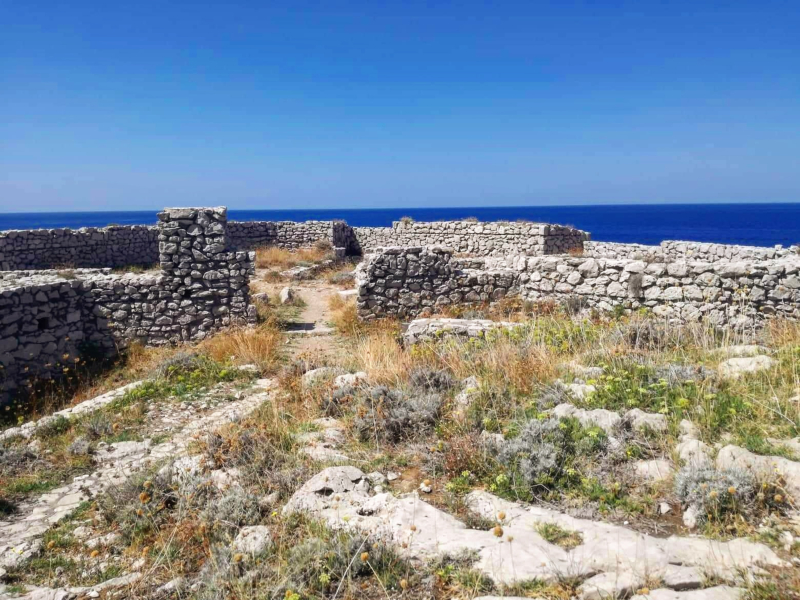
point(273, 257)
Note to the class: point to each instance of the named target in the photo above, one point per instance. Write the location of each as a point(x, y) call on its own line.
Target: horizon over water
point(748, 224)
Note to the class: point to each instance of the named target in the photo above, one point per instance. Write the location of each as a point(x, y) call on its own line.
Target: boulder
point(605, 419)
point(733, 368)
point(762, 467)
point(720, 592)
point(694, 453)
point(287, 295)
point(252, 540)
point(350, 379)
point(316, 376)
point(610, 585)
point(653, 470)
point(642, 421)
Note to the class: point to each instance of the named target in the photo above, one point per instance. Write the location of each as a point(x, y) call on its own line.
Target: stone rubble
point(425, 330)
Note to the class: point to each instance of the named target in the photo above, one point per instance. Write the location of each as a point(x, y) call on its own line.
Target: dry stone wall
point(113, 246)
point(246, 235)
point(473, 237)
point(672, 250)
point(411, 282)
point(121, 246)
point(677, 250)
point(48, 319)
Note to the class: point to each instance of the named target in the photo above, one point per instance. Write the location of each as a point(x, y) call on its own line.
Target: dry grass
point(258, 346)
point(575, 252)
point(273, 257)
point(344, 315)
point(379, 354)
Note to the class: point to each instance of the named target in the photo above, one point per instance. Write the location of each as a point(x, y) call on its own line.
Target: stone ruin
point(59, 298)
point(409, 282)
point(50, 319)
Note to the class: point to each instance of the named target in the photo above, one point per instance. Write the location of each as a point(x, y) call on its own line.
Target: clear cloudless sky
point(115, 105)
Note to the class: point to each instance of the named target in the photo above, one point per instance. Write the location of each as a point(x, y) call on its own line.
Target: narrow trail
point(310, 334)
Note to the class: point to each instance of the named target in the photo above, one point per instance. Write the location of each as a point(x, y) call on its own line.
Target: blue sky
point(126, 106)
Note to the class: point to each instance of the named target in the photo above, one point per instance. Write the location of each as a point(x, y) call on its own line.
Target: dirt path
point(310, 335)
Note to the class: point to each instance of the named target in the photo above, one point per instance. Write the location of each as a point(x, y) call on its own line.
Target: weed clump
point(235, 509)
point(317, 565)
point(389, 415)
point(545, 453)
point(141, 504)
point(334, 403)
point(79, 447)
point(716, 494)
point(98, 426)
point(432, 380)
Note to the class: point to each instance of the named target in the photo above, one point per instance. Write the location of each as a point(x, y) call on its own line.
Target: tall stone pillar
point(206, 286)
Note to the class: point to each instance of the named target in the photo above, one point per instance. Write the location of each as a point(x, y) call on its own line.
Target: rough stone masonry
point(49, 320)
point(415, 281)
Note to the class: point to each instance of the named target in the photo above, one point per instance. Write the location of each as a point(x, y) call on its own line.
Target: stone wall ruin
point(50, 319)
point(409, 282)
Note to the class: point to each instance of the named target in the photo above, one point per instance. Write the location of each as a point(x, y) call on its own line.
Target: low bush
point(721, 496)
point(545, 453)
point(390, 415)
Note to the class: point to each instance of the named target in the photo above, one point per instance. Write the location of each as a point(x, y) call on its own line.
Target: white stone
point(641, 420)
point(605, 419)
point(610, 585)
point(742, 350)
point(691, 517)
point(286, 295)
point(733, 368)
point(680, 578)
point(694, 453)
point(714, 593)
point(422, 532)
point(350, 379)
point(762, 467)
point(579, 391)
point(653, 470)
point(252, 540)
point(316, 376)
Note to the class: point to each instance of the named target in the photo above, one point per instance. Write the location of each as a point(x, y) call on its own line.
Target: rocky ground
point(529, 453)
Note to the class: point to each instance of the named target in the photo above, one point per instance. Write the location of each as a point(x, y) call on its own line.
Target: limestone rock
point(733, 368)
point(742, 350)
point(762, 467)
point(252, 540)
point(610, 585)
point(641, 420)
point(420, 330)
point(605, 419)
point(694, 453)
point(579, 391)
point(350, 379)
point(653, 470)
point(287, 295)
point(339, 498)
point(714, 593)
point(691, 517)
point(317, 376)
point(680, 578)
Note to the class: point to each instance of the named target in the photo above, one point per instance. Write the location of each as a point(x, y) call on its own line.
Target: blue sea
point(750, 224)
